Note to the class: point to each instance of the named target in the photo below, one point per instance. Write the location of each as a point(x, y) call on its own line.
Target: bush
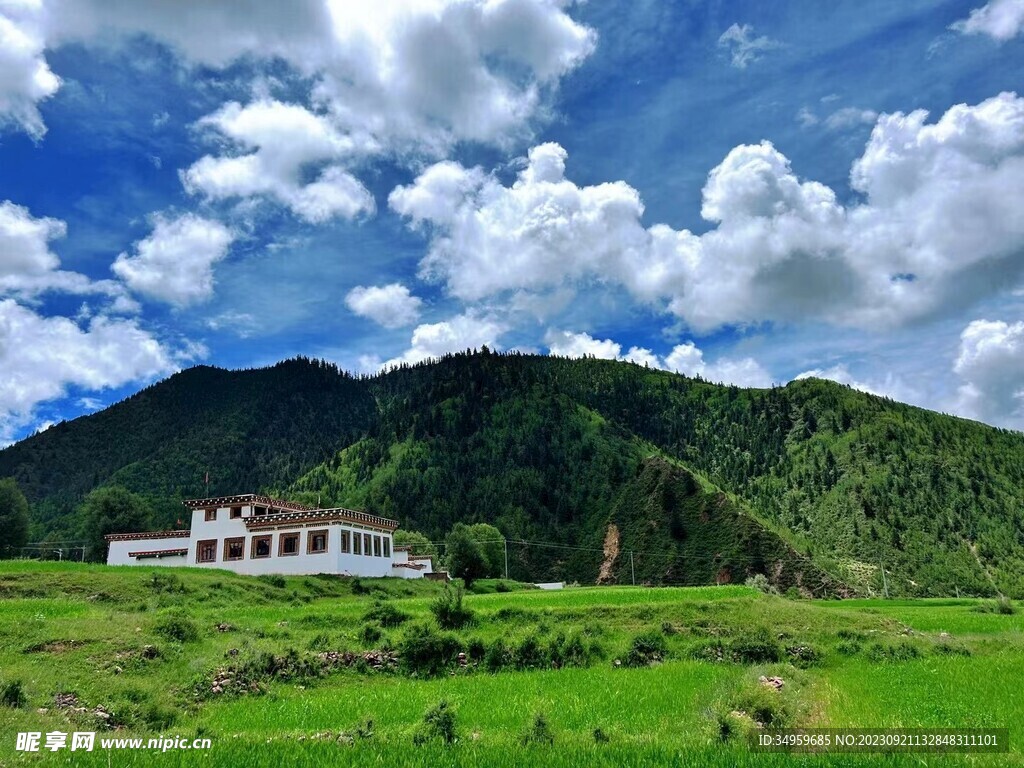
point(529, 654)
point(501, 586)
point(438, 723)
point(497, 656)
point(370, 634)
point(647, 648)
point(758, 647)
point(274, 580)
point(476, 650)
point(802, 655)
point(358, 588)
point(760, 582)
point(386, 614)
point(893, 653)
point(667, 628)
point(11, 695)
point(320, 642)
point(538, 733)
point(427, 652)
point(177, 627)
point(1005, 606)
point(448, 609)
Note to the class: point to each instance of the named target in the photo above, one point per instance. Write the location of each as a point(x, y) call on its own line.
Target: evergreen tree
point(13, 519)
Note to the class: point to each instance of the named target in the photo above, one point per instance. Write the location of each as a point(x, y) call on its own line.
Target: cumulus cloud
point(175, 263)
point(433, 340)
point(25, 77)
point(277, 142)
point(744, 48)
point(850, 117)
point(999, 19)
point(686, 358)
point(29, 267)
point(891, 386)
point(938, 226)
point(391, 306)
point(990, 365)
point(42, 356)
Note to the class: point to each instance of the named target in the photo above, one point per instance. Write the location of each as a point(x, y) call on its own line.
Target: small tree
point(13, 518)
point(465, 558)
point(111, 510)
point(492, 547)
point(420, 544)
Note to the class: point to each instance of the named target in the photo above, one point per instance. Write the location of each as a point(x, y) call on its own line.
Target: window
point(259, 511)
point(211, 515)
point(206, 551)
point(357, 541)
point(387, 547)
point(289, 544)
point(261, 546)
point(234, 548)
point(236, 513)
point(367, 544)
point(316, 542)
point(345, 540)
point(376, 546)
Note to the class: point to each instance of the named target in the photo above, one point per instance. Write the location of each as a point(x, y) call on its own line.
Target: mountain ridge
point(547, 447)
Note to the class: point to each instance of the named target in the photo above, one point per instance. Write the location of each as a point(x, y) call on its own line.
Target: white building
point(256, 534)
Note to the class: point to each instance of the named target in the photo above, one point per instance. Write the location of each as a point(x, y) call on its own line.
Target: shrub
point(893, 653)
point(11, 695)
point(169, 582)
point(177, 627)
point(358, 588)
point(1005, 606)
point(370, 634)
point(274, 580)
point(386, 614)
point(501, 586)
point(529, 654)
point(758, 647)
point(497, 656)
point(448, 609)
point(760, 582)
point(600, 737)
point(424, 651)
point(647, 648)
point(438, 723)
point(802, 655)
point(667, 628)
point(320, 642)
point(538, 733)
point(476, 650)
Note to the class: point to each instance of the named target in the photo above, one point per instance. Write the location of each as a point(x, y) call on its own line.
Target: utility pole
point(632, 572)
point(885, 582)
point(505, 541)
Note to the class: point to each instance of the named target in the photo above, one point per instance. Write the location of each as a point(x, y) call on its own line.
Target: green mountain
point(592, 469)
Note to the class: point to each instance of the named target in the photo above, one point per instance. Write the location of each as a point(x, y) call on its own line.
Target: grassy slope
point(649, 714)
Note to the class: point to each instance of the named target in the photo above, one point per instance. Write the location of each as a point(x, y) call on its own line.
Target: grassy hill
point(722, 481)
point(318, 670)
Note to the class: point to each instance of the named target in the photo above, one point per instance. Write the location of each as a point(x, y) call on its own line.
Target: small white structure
point(256, 535)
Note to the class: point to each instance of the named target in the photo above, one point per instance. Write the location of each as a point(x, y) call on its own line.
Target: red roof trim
point(321, 515)
point(147, 535)
point(414, 566)
point(246, 498)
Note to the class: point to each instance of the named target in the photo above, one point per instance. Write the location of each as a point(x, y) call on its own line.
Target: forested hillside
point(720, 481)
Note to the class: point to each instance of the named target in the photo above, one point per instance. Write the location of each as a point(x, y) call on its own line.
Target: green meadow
point(332, 671)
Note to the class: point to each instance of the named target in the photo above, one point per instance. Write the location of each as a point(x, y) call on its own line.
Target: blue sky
point(738, 190)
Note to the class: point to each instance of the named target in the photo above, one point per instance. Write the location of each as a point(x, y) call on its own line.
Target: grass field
point(583, 676)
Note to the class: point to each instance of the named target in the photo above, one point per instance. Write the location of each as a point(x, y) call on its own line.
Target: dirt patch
point(55, 646)
point(611, 554)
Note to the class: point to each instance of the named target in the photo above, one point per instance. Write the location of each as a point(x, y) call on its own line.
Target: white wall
point(117, 553)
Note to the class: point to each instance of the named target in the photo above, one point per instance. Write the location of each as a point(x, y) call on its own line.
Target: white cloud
point(938, 227)
point(849, 117)
point(175, 263)
point(744, 47)
point(685, 358)
point(891, 387)
point(991, 366)
point(433, 340)
point(568, 344)
point(25, 77)
point(42, 356)
point(28, 267)
point(278, 142)
point(999, 19)
point(391, 306)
